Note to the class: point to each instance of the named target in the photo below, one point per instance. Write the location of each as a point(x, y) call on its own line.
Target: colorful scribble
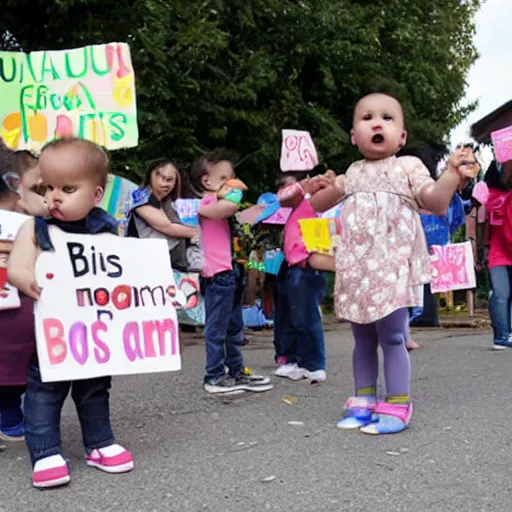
point(452, 267)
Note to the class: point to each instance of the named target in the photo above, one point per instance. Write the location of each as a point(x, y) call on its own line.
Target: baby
point(75, 173)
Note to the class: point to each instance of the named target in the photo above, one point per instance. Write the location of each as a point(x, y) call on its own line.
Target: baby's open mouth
point(378, 138)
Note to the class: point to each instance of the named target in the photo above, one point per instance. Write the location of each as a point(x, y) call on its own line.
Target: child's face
point(71, 191)
point(163, 180)
point(378, 129)
point(217, 175)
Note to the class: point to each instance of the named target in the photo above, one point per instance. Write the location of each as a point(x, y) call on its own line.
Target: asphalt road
point(194, 452)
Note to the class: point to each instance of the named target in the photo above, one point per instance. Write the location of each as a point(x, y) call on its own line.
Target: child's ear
point(352, 138)
point(403, 139)
point(98, 195)
point(205, 181)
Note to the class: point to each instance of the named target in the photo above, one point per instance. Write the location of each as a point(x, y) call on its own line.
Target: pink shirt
point(294, 248)
point(215, 241)
point(500, 251)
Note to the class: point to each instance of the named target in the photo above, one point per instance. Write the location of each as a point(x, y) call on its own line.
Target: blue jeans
point(11, 414)
point(499, 302)
point(43, 405)
point(303, 335)
point(224, 324)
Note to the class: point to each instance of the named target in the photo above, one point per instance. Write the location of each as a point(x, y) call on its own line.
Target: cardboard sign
point(502, 142)
point(298, 152)
point(453, 267)
point(86, 92)
point(10, 223)
point(187, 211)
point(101, 311)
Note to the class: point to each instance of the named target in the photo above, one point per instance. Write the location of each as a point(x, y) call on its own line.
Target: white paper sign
point(10, 223)
point(298, 152)
point(105, 309)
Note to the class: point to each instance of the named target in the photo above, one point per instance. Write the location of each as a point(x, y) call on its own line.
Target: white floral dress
point(382, 260)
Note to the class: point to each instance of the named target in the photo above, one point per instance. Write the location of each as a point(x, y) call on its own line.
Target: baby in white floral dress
point(382, 261)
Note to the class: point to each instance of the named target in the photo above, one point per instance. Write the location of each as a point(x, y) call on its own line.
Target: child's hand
point(463, 161)
point(311, 186)
point(30, 288)
point(194, 233)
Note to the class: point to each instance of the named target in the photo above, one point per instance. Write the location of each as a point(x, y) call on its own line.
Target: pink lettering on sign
point(502, 142)
point(298, 152)
point(74, 344)
point(452, 267)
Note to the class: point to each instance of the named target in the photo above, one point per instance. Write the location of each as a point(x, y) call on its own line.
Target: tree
point(212, 73)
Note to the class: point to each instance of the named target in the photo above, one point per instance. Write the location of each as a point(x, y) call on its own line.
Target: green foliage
point(212, 73)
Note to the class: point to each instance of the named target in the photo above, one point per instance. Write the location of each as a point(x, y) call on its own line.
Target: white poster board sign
point(298, 152)
point(10, 223)
point(105, 309)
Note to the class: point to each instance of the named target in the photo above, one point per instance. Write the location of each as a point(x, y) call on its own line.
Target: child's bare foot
point(411, 345)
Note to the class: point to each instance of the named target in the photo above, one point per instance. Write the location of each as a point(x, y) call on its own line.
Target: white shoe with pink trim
point(111, 459)
point(50, 472)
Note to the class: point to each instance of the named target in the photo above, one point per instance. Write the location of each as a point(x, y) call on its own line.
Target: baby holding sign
point(382, 260)
point(75, 173)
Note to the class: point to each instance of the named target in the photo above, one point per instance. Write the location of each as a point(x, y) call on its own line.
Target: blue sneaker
point(15, 433)
point(359, 412)
point(502, 344)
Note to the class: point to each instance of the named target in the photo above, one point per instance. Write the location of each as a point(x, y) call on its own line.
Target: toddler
point(74, 173)
point(222, 280)
point(382, 260)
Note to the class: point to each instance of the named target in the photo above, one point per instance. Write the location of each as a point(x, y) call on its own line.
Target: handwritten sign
point(187, 211)
point(502, 142)
point(298, 152)
point(103, 313)
point(453, 267)
point(86, 92)
point(10, 223)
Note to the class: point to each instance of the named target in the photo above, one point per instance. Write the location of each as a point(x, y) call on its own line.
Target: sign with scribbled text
point(502, 143)
point(453, 267)
point(298, 152)
point(84, 92)
point(101, 311)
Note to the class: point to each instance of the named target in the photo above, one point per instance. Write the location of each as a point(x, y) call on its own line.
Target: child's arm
point(436, 197)
point(324, 262)
point(158, 220)
point(222, 209)
point(22, 262)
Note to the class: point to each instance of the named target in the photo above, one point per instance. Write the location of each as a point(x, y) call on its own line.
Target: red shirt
point(500, 251)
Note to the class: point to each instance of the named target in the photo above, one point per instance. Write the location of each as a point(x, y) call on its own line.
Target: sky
point(490, 78)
